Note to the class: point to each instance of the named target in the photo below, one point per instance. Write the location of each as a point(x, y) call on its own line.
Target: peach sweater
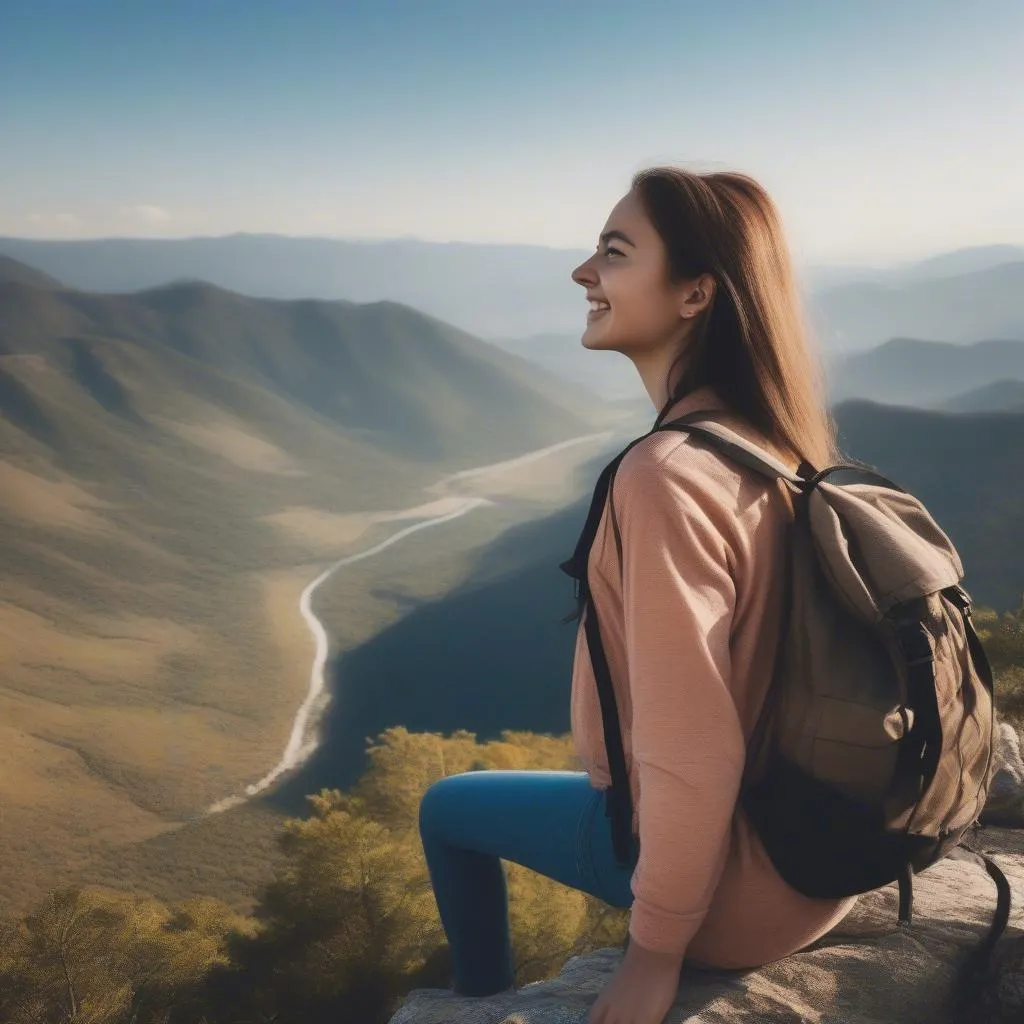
point(689, 621)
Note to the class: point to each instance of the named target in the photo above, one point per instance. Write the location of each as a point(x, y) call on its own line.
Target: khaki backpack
point(872, 755)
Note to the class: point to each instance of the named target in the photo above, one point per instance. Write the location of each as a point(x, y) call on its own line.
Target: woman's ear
point(697, 296)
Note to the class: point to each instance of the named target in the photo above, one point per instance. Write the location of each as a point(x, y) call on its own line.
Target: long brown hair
point(752, 344)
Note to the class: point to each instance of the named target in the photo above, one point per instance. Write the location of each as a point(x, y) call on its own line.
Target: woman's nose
point(580, 274)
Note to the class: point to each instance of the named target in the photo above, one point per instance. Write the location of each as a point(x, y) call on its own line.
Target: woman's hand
point(641, 990)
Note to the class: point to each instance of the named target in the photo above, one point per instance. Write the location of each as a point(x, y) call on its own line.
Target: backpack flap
point(880, 547)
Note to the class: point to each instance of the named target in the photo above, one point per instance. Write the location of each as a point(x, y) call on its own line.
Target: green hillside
point(458, 573)
point(607, 374)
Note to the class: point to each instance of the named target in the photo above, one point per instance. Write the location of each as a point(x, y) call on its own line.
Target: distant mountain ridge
point(911, 371)
point(999, 396)
point(516, 291)
point(15, 272)
point(425, 389)
point(959, 308)
point(960, 261)
point(487, 290)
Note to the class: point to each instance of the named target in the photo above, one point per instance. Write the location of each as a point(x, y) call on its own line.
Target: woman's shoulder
point(670, 469)
point(668, 460)
point(673, 459)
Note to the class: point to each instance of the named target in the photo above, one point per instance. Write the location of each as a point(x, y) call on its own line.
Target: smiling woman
point(687, 572)
point(656, 296)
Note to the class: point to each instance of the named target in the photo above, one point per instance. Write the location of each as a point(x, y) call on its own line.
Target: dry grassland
point(134, 694)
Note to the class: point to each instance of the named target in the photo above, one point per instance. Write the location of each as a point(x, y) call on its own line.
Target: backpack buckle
point(961, 599)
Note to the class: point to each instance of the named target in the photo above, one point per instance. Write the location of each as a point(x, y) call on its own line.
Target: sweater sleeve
point(687, 741)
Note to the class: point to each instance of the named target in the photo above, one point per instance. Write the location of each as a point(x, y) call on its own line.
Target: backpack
point(872, 755)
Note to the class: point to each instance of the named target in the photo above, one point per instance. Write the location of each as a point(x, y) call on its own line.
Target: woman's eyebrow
point(615, 234)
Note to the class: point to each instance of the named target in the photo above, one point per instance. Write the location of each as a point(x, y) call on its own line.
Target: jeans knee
point(436, 797)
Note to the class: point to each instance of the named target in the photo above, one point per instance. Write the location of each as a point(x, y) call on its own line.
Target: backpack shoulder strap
point(739, 448)
point(576, 566)
point(727, 440)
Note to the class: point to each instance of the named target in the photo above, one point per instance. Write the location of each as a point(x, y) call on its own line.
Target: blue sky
point(884, 130)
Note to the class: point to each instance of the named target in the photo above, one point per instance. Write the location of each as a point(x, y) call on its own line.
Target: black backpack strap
point(576, 566)
point(906, 884)
point(919, 751)
point(618, 798)
point(971, 976)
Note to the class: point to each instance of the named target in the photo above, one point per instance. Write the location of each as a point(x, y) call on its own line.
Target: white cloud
point(146, 213)
point(61, 221)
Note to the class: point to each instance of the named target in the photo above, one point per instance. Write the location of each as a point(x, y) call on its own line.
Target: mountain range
point(488, 290)
point(418, 386)
point(999, 396)
point(965, 468)
point(948, 264)
point(516, 292)
point(960, 308)
point(930, 374)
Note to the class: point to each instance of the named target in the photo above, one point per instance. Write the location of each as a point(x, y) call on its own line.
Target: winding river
point(302, 741)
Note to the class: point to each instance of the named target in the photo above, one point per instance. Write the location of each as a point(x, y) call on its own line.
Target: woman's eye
point(611, 250)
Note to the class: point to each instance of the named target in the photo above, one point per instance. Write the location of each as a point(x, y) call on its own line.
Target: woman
point(692, 281)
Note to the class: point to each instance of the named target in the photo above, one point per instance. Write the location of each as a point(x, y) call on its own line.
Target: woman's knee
point(442, 799)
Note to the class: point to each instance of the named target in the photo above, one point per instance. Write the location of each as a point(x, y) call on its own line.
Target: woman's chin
point(596, 339)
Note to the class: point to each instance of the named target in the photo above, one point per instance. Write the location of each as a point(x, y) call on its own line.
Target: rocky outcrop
point(868, 971)
point(1005, 805)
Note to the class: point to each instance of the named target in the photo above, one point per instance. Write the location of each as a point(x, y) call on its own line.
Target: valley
point(228, 849)
point(176, 468)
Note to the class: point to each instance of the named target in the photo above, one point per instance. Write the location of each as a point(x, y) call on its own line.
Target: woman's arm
point(679, 596)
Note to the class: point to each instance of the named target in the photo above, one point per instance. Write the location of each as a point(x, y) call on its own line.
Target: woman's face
point(641, 315)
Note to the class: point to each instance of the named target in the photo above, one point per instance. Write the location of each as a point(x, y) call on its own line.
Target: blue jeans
point(552, 822)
